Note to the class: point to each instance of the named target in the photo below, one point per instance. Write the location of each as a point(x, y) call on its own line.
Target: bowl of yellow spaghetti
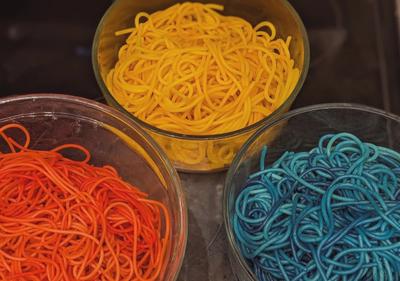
point(200, 78)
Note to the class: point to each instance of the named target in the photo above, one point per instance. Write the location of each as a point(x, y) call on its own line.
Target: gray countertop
point(206, 254)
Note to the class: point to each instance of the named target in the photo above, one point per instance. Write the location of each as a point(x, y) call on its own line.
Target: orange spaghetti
point(66, 220)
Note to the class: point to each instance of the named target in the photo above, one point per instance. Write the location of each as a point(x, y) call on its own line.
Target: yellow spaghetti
point(191, 70)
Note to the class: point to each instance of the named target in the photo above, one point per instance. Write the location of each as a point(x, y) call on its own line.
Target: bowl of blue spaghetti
point(320, 200)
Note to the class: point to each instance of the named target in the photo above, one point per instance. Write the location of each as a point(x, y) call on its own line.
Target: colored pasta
point(190, 70)
point(331, 213)
point(62, 219)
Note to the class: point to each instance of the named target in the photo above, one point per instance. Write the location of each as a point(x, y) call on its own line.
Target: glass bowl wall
point(113, 139)
point(300, 130)
point(208, 152)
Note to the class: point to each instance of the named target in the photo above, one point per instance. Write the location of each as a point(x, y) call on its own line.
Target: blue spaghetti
point(329, 214)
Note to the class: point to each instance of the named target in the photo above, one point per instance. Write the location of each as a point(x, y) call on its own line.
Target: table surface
point(355, 58)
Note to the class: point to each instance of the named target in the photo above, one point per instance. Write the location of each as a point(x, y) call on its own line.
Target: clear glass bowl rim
point(171, 134)
point(235, 163)
point(180, 248)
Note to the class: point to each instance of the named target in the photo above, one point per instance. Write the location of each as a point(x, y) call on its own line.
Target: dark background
point(45, 47)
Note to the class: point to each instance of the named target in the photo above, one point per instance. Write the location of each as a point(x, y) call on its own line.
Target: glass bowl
point(206, 152)
point(113, 139)
point(300, 130)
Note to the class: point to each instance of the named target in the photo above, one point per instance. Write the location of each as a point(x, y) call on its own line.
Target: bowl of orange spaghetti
point(85, 194)
point(201, 77)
